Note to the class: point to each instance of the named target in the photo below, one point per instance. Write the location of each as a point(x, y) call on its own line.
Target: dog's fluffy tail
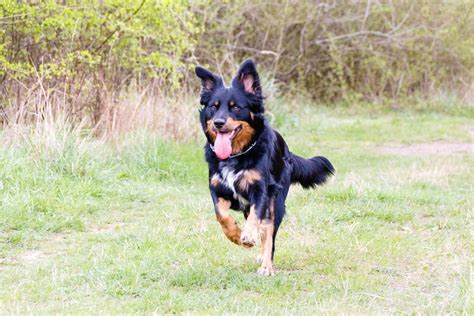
point(310, 172)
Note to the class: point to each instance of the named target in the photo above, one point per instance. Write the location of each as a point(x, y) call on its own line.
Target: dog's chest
point(229, 179)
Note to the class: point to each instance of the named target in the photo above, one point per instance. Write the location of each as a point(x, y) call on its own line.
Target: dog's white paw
point(248, 238)
point(266, 271)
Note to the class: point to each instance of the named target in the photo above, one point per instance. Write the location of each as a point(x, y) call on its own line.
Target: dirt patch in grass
point(32, 257)
point(29, 257)
point(441, 148)
point(107, 228)
point(44, 250)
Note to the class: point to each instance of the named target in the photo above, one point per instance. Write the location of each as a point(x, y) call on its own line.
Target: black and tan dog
point(250, 165)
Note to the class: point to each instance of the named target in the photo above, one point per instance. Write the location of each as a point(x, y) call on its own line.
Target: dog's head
point(231, 117)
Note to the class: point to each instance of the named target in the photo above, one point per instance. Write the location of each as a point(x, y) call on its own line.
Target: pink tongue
point(223, 146)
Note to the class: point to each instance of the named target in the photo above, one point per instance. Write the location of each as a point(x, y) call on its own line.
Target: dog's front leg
point(250, 232)
point(266, 229)
point(261, 220)
point(229, 226)
point(257, 195)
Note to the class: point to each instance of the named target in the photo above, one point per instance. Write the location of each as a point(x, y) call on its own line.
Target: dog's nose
point(219, 123)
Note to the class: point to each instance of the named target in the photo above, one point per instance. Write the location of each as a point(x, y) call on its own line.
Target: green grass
point(88, 227)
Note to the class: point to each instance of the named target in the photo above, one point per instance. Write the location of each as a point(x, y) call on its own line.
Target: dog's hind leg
point(229, 226)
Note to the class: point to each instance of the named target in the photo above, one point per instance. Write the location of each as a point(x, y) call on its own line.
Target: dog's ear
point(247, 78)
point(209, 81)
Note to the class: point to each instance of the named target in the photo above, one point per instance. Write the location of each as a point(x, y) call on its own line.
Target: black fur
point(270, 155)
point(310, 172)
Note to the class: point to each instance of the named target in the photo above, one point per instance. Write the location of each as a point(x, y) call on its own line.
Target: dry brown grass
point(46, 116)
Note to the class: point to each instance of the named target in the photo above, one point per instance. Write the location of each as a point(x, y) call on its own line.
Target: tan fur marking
point(263, 238)
point(266, 228)
point(249, 177)
point(243, 138)
point(266, 235)
point(210, 131)
point(250, 232)
point(229, 226)
point(215, 181)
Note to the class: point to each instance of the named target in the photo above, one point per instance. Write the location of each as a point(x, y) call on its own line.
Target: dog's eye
point(233, 107)
point(214, 106)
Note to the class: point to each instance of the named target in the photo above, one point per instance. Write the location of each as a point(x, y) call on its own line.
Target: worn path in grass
point(86, 228)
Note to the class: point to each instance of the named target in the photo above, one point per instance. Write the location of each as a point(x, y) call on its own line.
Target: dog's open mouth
point(223, 142)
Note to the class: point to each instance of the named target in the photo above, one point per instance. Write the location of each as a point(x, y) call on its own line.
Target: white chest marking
point(228, 179)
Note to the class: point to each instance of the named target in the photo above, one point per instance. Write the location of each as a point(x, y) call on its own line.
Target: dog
point(250, 166)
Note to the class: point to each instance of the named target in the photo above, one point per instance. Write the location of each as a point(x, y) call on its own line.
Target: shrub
point(83, 54)
point(329, 50)
point(108, 62)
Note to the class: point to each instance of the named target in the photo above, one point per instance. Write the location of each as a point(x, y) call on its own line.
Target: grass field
point(92, 227)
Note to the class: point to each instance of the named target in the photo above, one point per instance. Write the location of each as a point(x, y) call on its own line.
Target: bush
point(345, 48)
point(85, 54)
point(101, 61)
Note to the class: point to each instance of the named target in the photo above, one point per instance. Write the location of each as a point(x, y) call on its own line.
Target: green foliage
point(85, 58)
point(89, 51)
point(342, 49)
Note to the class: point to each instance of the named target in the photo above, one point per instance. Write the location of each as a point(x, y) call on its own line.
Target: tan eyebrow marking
point(231, 103)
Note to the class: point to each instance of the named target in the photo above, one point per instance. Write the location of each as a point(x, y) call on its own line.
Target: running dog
point(250, 166)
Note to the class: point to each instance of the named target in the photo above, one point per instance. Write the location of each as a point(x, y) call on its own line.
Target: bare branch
point(366, 15)
point(351, 35)
point(253, 50)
